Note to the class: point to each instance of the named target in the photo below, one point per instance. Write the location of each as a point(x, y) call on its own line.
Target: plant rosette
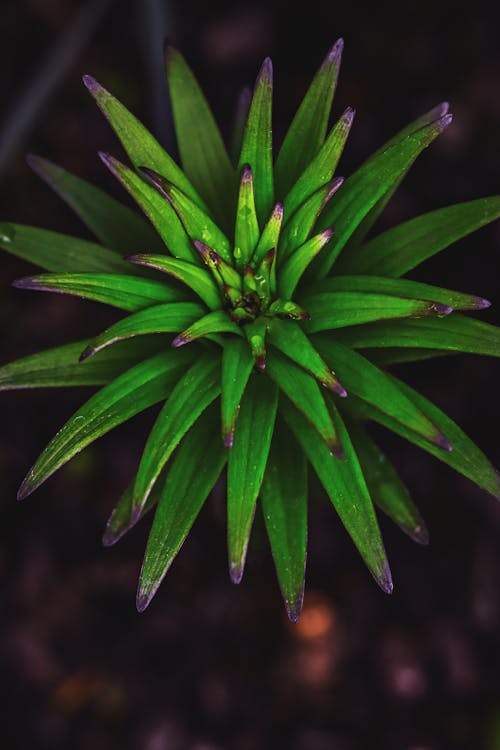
point(262, 319)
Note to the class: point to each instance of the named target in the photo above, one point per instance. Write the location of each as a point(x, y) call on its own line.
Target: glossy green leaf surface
point(345, 485)
point(237, 365)
point(59, 252)
point(303, 391)
point(246, 233)
point(185, 491)
point(329, 310)
point(363, 379)
point(118, 290)
point(166, 318)
point(192, 394)
point(190, 274)
point(246, 464)
point(130, 393)
point(123, 518)
point(214, 322)
point(284, 505)
point(256, 148)
point(386, 488)
point(306, 134)
point(116, 226)
point(453, 333)
point(398, 250)
point(203, 154)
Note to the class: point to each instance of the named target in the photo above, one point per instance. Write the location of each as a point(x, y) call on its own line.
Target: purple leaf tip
point(482, 303)
point(266, 72)
point(87, 352)
point(27, 282)
point(236, 572)
point(293, 609)
point(246, 174)
point(180, 340)
point(334, 54)
point(91, 84)
point(228, 438)
point(339, 389)
point(444, 443)
point(384, 580)
point(444, 121)
point(143, 600)
point(420, 534)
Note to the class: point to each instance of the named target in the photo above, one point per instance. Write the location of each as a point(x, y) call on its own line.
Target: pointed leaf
point(322, 167)
point(192, 275)
point(284, 505)
point(386, 488)
point(132, 392)
point(289, 338)
point(454, 333)
point(167, 318)
point(140, 145)
point(114, 224)
point(346, 487)
point(193, 393)
point(214, 322)
point(237, 365)
point(246, 465)
point(329, 310)
point(270, 234)
point(240, 118)
point(157, 209)
point(257, 147)
point(60, 366)
point(59, 252)
point(246, 233)
point(122, 518)
point(402, 288)
point(298, 228)
point(466, 458)
point(306, 396)
point(368, 382)
point(398, 250)
point(374, 180)
point(185, 491)
point(203, 154)
point(124, 292)
point(296, 264)
point(307, 131)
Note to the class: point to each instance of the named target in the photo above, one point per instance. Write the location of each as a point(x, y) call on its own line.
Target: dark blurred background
point(211, 666)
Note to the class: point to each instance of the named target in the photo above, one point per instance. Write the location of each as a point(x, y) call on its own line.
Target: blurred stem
point(55, 68)
point(157, 24)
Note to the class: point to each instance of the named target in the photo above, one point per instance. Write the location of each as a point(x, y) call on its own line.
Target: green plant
point(246, 317)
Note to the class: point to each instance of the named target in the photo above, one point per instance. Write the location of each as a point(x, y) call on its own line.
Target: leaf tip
point(265, 73)
point(246, 174)
point(443, 442)
point(228, 437)
point(294, 608)
point(444, 122)
point(143, 598)
point(334, 54)
point(87, 352)
point(480, 303)
point(180, 340)
point(384, 579)
point(91, 84)
point(27, 282)
point(26, 488)
point(420, 534)
point(236, 571)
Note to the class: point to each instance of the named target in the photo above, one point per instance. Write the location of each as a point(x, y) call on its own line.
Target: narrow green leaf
point(398, 250)
point(192, 394)
point(297, 229)
point(436, 113)
point(398, 355)
point(122, 518)
point(132, 392)
point(346, 487)
point(222, 271)
point(289, 338)
point(237, 365)
point(141, 147)
point(246, 233)
point(197, 222)
point(247, 462)
point(330, 310)
point(270, 234)
point(257, 147)
point(296, 264)
point(256, 333)
point(157, 209)
point(322, 167)
point(386, 488)
point(303, 391)
point(60, 366)
point(368, 382)
point(203, 154)
point(240, 118)
point(118, 290)
point(374, 180)
point(217, 321)
point(284, 505)
point(166, 318)
point(402, 288)
point(307, 131)
point(466, 458)
point(114, 224)
point(59, 252)
point(454, 333)
point(192, 275)
point(185, 491)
